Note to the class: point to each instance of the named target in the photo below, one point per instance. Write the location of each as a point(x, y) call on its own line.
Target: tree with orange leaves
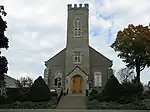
point(133, 46)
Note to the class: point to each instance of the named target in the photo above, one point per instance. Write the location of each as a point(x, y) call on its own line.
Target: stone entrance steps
point(72, 101)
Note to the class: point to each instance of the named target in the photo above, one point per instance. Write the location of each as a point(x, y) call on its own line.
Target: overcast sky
point(37, 30)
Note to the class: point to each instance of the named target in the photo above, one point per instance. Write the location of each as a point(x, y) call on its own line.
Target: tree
point(39, 91)
point(3, 44)
point(125, 75)
point(133, 45)
point(111, 91)
point(24, 82)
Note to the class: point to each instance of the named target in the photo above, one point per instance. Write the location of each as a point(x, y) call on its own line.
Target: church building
point(78, 67)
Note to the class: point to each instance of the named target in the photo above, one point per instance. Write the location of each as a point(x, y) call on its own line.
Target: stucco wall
point(77, 43)
point(98, 62)
point(56, 63)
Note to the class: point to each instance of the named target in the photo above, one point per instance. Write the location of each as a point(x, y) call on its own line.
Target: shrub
point(17, 94)
point(131, 92)
point(93, 94)
point(53, 94)
point(112, 90)
point(39, 91)
point(94, 104)
point(13, 94)
point(2, 99)
point(146, 94)
point(127, 92)
point(24, 96)
point(30, 105)
point(138, 87)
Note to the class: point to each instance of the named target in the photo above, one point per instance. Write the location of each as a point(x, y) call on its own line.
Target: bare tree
point(24, 82)
point(125, 75)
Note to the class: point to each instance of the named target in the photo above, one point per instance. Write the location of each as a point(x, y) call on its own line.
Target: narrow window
point(77, 57)
point(77, 28)
point(97, 79)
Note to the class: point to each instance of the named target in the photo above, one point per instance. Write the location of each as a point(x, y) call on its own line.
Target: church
point(78, 67)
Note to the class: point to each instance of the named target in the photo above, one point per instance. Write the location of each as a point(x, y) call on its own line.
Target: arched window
point(77, 28)
point(97, 79)
point(58, 78)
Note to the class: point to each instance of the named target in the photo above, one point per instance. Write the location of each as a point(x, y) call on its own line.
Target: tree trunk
point(138, 72)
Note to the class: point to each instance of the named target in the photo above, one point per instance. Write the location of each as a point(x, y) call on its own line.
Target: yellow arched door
point(77, 84)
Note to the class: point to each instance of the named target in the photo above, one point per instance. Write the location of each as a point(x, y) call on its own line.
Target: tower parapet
point(75, 6)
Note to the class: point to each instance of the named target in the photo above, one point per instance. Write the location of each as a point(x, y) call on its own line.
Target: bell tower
point(77, 25)
point(77, 48)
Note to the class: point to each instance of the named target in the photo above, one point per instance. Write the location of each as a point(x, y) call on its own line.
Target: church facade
point(78, 67)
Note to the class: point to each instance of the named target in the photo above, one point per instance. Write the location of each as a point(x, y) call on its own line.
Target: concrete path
point(72, 101)
point(67, 110)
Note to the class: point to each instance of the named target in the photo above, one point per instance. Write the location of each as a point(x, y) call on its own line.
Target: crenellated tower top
point(84, 6)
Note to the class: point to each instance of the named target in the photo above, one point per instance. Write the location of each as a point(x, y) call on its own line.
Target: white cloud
point(37, 30)
point(115, 15)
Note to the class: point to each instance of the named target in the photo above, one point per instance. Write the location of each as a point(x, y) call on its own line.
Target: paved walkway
point(72, 101)
point(67, 110)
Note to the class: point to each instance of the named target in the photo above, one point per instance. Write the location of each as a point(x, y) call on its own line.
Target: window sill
point(77, 63)
point(97, 86)
point(77, 36)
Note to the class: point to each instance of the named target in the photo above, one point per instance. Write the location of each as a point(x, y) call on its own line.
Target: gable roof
point(75, 68)
point(54, 56)
point(10, 82)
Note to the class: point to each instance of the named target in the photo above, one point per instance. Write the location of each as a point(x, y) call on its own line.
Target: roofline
point(54, 56)
point(75, 68)
point(11, 77)
point(102, 55)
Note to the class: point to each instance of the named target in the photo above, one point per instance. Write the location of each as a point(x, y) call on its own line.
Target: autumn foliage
point(133, 46)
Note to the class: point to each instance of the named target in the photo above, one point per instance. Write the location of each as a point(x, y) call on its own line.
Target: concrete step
point(72, 102)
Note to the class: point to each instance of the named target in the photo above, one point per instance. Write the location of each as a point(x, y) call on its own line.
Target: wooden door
point(77, 84)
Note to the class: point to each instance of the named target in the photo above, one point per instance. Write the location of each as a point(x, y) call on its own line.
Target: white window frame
point(77, 57)
point(77, 28)
point(97, 79)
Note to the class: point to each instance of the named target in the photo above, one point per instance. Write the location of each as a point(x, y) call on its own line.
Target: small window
point(77, 23)
point(77, 57)
point(77, 28)
point(97, 79)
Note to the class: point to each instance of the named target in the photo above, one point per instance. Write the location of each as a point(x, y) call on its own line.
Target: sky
point(37, 30)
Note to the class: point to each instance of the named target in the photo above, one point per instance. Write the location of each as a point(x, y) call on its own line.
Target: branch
point(142, 68)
